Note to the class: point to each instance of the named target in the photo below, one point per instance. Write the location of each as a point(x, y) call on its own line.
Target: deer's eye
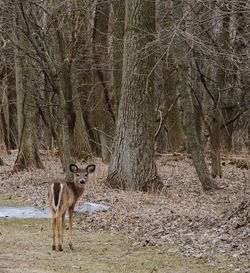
point(86, 174)
point(77, 174)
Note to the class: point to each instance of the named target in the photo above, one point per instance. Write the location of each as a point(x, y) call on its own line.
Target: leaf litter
point(195, 223)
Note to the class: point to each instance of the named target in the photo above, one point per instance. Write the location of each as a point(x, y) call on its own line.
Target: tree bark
point(28, 153)
point(171, 135)
point(221, 81)
point(132, 165)
point(174, 118)
point(80, 145)
point(103, 117)
point(215, 139)
point(117, 47)
point(4, 112)
point(183, 54)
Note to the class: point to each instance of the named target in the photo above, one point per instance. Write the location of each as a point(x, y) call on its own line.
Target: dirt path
point(25, 247)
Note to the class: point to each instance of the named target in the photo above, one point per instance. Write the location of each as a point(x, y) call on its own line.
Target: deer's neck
point(77, 191)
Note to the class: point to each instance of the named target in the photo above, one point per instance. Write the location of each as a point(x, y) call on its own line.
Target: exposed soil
point(211, 229)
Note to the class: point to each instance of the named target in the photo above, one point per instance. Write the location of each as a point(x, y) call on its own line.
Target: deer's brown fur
point(63, 196)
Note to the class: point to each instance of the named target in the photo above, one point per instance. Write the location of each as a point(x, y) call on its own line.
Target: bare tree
point(169, 133)
point(117, 47)
point(28, 153)
point(132, 163)
point(182, 53)
point(103, 118)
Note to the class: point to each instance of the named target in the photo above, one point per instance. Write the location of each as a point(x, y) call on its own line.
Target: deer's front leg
point(71, 210)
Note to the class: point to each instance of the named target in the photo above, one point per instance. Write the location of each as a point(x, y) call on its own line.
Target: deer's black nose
point(82, 181)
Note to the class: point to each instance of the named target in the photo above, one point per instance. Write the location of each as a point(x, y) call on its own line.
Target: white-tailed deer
point(63, 196)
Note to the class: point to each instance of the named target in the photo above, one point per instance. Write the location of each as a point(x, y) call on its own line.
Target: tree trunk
point(12, 112)
point(132, 165)
point(227, 130)
point(183, 54)
point(80, 145)
point(103, 116)
point(174, 118)
point(117, 46)
point(221, 81)
point(242, 48)
point(4, 112)
point(215, 139)
point(47, 112)
point(171, 135)
point(65, 136)
point(28, 153)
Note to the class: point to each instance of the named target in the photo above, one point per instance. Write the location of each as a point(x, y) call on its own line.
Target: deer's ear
point(90, 168)
point(73, 168)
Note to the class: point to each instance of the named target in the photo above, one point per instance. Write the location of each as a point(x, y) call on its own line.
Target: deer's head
point(81, 175)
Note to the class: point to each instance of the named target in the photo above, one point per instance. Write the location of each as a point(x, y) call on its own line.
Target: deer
point(63, 196)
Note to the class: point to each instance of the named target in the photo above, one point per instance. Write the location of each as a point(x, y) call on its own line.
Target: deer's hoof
point(60, 248)
point(71, 246)
point(53, 247)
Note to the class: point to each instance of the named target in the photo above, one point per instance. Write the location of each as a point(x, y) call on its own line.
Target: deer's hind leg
point(59, 230)
point(53, 225)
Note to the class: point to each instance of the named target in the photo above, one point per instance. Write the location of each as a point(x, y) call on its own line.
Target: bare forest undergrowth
point(189, 221)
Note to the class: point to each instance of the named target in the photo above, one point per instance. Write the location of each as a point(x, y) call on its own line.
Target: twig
point(242, 205)
point(163, 119)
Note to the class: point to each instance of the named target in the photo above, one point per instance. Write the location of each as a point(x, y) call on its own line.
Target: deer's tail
point(56, 190)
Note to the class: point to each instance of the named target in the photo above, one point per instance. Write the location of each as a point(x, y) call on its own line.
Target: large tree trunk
point(183, 54)
point(132, 163)
point(242, 48)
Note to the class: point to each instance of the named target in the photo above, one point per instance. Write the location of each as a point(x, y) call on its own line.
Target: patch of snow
point(29, 212)
point(92, 207)
point(23, 212)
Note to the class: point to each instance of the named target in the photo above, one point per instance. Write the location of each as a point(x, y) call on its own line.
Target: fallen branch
point(243, 205)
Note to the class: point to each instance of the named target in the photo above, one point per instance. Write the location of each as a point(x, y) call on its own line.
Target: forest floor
point(182, 229)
